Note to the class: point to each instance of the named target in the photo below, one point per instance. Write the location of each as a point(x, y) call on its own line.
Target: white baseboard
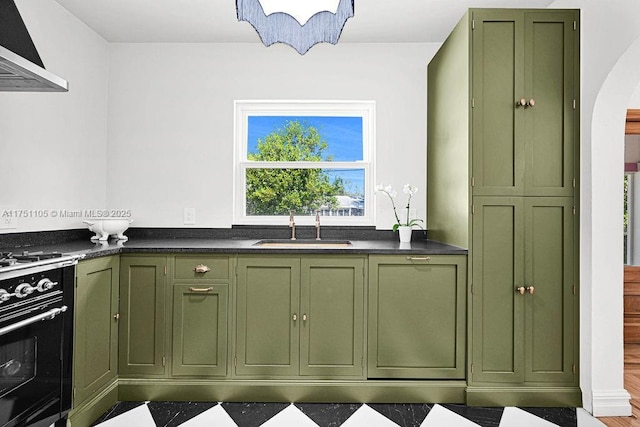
point(611, 403)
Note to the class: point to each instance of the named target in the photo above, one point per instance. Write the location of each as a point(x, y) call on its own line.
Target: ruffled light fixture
point(298, 23)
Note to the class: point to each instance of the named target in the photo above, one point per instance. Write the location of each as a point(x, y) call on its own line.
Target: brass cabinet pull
point(531, 102)
point(304, 317)
point(531, 290)
point(201, 268)
point(294, 317)
point(521, 103)
point(116, 317)
point(419, 258)
point(520, 289)
point(192, 289)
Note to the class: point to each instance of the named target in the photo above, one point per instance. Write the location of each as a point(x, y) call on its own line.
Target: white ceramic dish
point(105, 227)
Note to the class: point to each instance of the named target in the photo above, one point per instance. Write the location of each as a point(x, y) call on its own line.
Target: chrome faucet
point(292, 225)
point(317, 225)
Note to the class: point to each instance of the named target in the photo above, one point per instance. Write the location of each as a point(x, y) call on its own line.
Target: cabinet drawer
point(214, 267)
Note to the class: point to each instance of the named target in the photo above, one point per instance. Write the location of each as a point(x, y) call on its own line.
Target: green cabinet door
point(332, 316)
point(200, 330)
point(549, 318)
point(523, 281)
point(417, 316)
point(95, 358)
point(531, 56)
point(268, 316)
point(142, 315)
point(497, 303)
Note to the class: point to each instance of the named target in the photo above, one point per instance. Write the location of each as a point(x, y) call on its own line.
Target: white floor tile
point(138, 416)
point(368, 417)
point(215, 416)
point(517, 417)
point(291, 416)
point(585, 419)
point(441, 416)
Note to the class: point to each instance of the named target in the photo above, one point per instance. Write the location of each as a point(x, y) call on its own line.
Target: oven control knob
point(45, 284)
point(4, 295)
point(23, 290)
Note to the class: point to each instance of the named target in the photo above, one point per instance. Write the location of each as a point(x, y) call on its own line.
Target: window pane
point(278, 138)
point(333, 192)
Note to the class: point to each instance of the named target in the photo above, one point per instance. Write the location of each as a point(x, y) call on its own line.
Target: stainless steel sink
point(302, 243)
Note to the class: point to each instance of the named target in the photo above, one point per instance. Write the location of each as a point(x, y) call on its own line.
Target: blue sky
point(342, 134)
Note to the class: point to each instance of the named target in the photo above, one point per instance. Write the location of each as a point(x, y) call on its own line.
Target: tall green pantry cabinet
point(502, 179)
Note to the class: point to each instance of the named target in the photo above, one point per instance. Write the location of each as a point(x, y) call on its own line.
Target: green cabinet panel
point(524, 149)
point(142, 315)
point(417, 317)
point(201, 267)
point(95, 359)
point(550, 341)
point(299, 316)
point(268, 293)
point(332, 307)
point(200, 330)
point(523, 302)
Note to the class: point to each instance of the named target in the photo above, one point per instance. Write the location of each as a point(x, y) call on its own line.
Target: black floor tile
point(564, 417)
point(485, 416)
point(118, 409)
point(328, 414)
point(252, 414)
point(403, 414)
point(172, 414)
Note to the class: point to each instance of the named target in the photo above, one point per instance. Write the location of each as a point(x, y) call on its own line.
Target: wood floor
point(632, 385)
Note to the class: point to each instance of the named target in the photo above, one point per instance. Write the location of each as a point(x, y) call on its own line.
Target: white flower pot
point(405, 233)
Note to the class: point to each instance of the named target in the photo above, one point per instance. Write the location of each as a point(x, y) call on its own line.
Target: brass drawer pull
point(192, 289)
point(419, 258)
point(201, 268)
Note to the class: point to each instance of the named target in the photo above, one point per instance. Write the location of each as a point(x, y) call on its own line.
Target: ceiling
point(189, 21)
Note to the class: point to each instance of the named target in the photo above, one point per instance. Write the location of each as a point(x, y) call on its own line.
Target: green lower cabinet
point(524, 303)
point(300, 316)
point(199, 330)
point(417, 317)
point(142, 315)
point(95, 358)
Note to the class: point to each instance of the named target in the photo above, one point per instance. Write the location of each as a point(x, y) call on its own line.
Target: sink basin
point(302, 243)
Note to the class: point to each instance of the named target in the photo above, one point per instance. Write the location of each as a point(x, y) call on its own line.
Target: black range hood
point(21, 69)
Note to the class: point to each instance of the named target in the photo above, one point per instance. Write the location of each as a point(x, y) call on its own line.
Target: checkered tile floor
point(201, 414)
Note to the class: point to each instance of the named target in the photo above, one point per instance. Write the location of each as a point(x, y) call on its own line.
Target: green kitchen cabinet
point(417, 316)
point(300, 316)
point(524, 94)
point(95, 356)
point(523, 298)
point(502, 181)
point(143, 323)
point(200, 315)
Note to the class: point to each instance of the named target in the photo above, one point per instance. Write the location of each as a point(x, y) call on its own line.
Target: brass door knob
point(116, 317)
point(520, 289)
point(304, 317)
point(294, 317)
point(531, 102)
point(531, 290)
point(521, 103)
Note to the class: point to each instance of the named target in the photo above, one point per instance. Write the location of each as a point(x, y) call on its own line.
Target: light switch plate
point(189, 216)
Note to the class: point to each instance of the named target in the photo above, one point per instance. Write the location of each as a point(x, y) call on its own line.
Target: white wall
point(610, 73)
point(171, 117)
point(53, 145)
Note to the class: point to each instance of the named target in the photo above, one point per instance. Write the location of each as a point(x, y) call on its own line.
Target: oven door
point(30, 365)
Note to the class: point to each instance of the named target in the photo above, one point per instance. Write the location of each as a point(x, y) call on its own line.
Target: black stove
point(36, 325)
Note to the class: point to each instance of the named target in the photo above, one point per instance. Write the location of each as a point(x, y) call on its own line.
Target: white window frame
point(245, 108)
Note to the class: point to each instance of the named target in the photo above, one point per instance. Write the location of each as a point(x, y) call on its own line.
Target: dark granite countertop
point(237, 241)
point(217, 246)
